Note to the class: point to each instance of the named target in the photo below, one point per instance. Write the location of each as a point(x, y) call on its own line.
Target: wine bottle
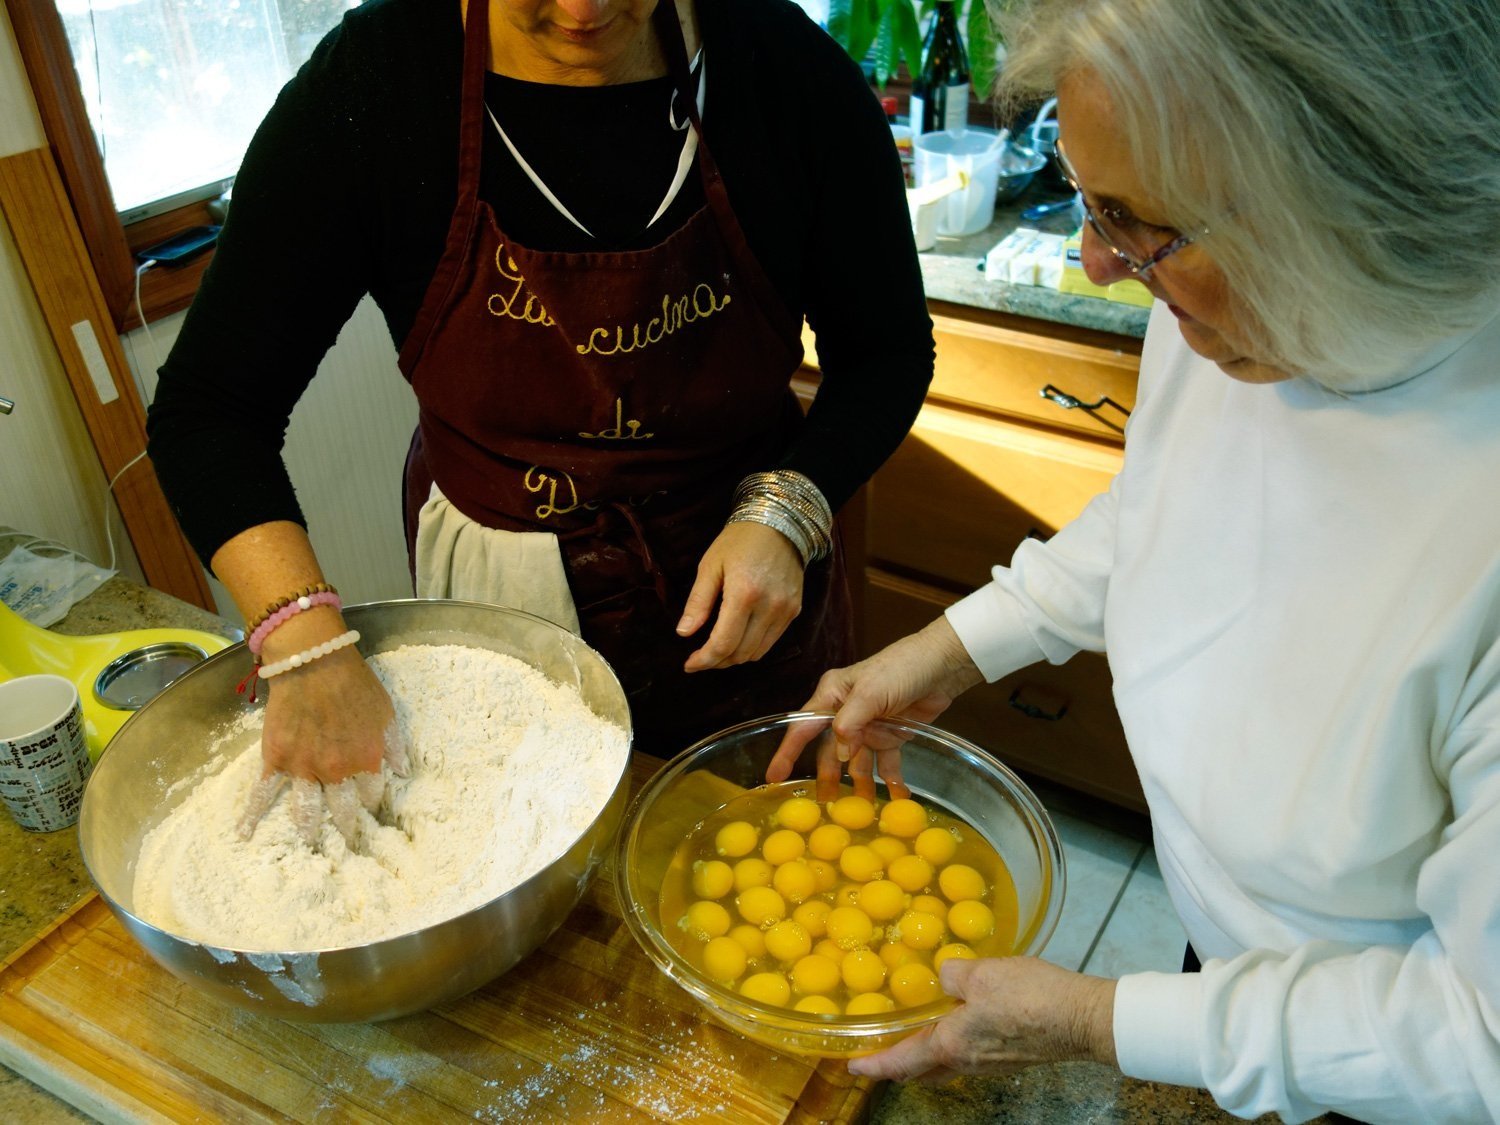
point(940, 93)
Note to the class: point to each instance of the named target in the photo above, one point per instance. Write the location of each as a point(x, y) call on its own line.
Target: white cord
point(141, 309)
point(109, 536)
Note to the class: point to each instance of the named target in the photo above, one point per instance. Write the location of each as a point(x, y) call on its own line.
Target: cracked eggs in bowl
point(813, 921)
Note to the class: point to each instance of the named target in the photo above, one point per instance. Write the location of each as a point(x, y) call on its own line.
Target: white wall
point(50, 480)
point(345, 450)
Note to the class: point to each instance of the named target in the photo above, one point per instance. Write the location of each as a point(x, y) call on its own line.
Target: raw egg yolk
point(904, 818)
point(828, 841)
point(849, 927)
point(910, 872)
point(863, 971)
point(931, 904)
point(920, 930)
point(825, 874)
point(712, 878)
point(852, 813)
point(750, 939)
point(706, 920)
point(800, 814)
point(827, 948)
point(787, 941)
point(813, 917)
point(751, 872)
point(895, 954)
point(815, 974)
point(736, 839)
point(768, 988)
point(724, 959)
point(914, 984)
point(783, 846)
point(861, 864)
point(760, 906)
point(882, 899)
point(888, 848)
point(794, 881)
point(936, 845)
point(971, 921)
point(959, 881)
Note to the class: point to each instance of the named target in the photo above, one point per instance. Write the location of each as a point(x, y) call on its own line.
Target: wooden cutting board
point(585, 1029)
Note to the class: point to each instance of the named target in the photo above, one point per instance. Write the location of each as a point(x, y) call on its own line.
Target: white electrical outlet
point(93, 360)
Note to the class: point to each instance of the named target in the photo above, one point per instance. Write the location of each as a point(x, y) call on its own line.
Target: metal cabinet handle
point(1031, 710)
point(6, 405)
point(1072, 402)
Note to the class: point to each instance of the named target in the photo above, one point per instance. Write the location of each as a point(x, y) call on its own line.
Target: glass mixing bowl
point(943, 771)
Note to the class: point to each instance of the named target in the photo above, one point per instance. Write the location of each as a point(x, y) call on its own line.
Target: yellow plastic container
point(98, 663)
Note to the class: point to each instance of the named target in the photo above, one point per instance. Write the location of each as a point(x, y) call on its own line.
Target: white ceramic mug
point(44, 760)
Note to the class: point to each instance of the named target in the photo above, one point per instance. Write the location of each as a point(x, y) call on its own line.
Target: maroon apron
point(615, 399)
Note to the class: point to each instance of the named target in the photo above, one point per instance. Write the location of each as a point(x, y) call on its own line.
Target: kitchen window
point(175, 88)
point(149, 106)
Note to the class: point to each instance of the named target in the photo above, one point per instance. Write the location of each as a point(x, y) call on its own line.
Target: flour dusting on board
point(508, 769)
point(682, 1077)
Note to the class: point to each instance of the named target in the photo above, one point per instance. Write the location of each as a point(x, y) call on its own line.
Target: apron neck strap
point(674, 46)
point(471, 114)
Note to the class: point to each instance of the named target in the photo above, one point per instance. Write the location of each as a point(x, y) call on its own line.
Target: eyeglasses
point(1139, 245)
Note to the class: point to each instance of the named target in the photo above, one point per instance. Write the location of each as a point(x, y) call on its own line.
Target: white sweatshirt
point(1299, 594)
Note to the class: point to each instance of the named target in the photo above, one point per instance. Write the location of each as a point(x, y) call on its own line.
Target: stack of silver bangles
point(790, 503)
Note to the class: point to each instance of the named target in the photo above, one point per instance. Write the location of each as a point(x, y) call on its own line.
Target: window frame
point(48, 58)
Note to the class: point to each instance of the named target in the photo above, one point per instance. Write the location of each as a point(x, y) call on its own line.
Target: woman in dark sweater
point(594, 228)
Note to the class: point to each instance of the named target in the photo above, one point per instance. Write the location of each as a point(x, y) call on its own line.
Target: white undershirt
point(1300, 598)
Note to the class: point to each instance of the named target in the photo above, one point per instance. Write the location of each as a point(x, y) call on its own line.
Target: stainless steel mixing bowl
point(135, 786)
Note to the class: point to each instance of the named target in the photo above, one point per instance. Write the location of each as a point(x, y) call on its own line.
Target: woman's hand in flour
point(755, 574)
point(329, 728)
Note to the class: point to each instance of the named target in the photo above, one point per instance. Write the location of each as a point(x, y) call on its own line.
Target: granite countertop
point(42, 875)
point(950, 272)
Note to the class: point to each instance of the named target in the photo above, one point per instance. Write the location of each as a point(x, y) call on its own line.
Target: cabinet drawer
point(998, 369)
point(1058, 722)
point(963, 490)
point(1003, 370)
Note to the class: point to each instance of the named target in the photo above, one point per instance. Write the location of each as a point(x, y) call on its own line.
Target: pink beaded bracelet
point(286, 613)
point(343, 640)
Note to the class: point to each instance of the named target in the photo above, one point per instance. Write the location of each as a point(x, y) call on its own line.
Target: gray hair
point(1343, 156)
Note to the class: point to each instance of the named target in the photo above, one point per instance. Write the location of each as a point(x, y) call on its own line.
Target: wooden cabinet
point(991, 460)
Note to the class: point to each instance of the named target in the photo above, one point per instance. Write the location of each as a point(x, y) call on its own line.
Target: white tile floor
point(1116, 916)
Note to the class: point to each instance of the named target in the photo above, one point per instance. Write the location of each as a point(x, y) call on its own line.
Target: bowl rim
point(725, 1002)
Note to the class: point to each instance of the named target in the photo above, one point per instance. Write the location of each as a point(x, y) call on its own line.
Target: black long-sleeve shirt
point(349, 183)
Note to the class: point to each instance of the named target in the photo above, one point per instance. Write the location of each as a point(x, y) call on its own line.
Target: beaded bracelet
point(343, 640)
point(286, 613)
point(281, 603)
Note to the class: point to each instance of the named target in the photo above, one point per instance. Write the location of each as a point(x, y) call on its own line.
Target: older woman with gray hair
point(1296, 574)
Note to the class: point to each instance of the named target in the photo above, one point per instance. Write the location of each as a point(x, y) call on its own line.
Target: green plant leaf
point(886, 47)
point(864, 20)
point(909, 36)
point(839, 17)
point(982, 41)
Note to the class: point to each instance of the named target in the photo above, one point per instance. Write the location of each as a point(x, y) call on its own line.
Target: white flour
point(507, 770)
